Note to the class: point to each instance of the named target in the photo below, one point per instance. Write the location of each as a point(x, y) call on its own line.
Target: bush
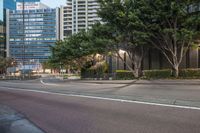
point(88, 73)
point(123, 75)
point(157, 74)
point(189, 73)
point(105, 68)
point(121, 71)
point(98, 71)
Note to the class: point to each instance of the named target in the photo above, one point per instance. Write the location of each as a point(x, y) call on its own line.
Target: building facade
point(4, 4)
point(30, 5)
point(79, 15)
point(154, 60)
point(2, 41)
point(9, 4)
point(31, 39)
point(27, 0)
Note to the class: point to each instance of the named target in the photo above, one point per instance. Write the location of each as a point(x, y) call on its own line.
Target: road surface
point(55, 113)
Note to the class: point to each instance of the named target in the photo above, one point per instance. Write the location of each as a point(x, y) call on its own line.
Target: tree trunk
point(175, 71)
point(137, 69)
point(137, 72)
point(135, 55)
point(137, 61)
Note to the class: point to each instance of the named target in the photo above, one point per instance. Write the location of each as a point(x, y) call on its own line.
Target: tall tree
point(5, 63)
point(122, 17)
point(74, 50)
point(172, 26)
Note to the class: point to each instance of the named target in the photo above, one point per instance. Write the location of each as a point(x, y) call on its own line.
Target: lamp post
point(23, 39)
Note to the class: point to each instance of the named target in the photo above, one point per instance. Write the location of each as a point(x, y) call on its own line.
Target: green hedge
point(95, 72)
point(123, 75)
point(147, 74)
point(189, 73)
point(157, 74)
point(167, 73)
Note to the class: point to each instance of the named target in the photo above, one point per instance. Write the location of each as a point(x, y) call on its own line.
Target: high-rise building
point(30, 5)
point(30, 35)
point(27, 0)
point(4, 4)
point(79, 15)
point(9, 4)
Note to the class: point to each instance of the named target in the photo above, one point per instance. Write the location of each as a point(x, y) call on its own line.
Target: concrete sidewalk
point(159, 82)
point(127, 82)
point(13, 122)
point(107, 81)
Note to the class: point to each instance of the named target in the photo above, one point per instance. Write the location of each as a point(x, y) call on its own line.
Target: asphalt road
point(184, 93)
point(71, 114)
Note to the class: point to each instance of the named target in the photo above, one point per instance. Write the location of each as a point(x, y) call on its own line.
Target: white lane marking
point(104, 98)
point(15, 83)
point(41, 81)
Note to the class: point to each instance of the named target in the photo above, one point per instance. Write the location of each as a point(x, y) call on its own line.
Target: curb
point(13, 122)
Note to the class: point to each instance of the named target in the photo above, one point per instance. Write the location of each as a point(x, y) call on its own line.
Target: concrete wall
point(194, 58)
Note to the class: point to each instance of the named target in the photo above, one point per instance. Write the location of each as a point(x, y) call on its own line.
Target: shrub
point(189, 73)
point(105, 67)
point(157, 74)
point(88, 73)
point(123, 75)
point(121, 71)
point(97, 71)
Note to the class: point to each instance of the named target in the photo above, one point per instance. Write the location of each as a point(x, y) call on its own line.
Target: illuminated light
point(122, 51)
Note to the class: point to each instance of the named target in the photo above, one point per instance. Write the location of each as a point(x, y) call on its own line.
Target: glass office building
point(28, 0)
point(33, 40)
point(4, 4)
point(10, 4)
point(2, 40)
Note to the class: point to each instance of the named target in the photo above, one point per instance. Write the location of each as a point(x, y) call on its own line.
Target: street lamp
point(23, 39)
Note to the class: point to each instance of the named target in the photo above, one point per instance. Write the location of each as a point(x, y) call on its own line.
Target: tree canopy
point(76, 49)
point(128, 29)
point(5, 63)
point(171, 26)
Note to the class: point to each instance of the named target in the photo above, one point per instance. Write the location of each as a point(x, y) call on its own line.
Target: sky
point(54, 3)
